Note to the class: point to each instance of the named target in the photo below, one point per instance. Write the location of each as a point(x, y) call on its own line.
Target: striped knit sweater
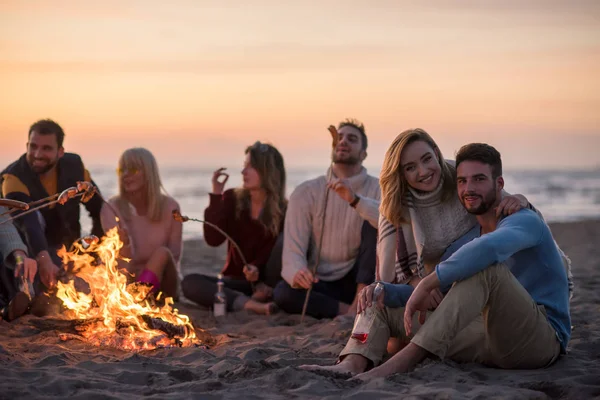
point(341, 228)
point(406, 251)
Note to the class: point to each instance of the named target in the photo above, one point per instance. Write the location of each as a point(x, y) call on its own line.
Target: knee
point(497, 270)
point(164, 252)
point(187, 285)
point(282, 294)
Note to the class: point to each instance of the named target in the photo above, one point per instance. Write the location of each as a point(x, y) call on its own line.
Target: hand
point(304, 279)
point(251, 272)
point(414, 281)
point(435, 298)
point(48, 271)
point(419, 301)
point(365, 298)
point(342, 188)
point(123, 236)
point(511, 204)
point(217, 184)
point(27, 268)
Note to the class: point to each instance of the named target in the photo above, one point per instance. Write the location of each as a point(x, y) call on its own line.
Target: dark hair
point(356, 124)
point(48, 127)
point(482, 152)
point(268, 162)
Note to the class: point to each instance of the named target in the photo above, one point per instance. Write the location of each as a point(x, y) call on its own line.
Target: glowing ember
point(113, 313)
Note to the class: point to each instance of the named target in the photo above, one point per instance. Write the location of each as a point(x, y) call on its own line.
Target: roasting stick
point(334, 135)
point(85, 190)
point(182, 218)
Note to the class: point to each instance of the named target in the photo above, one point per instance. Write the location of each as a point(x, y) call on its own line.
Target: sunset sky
point(197, 81)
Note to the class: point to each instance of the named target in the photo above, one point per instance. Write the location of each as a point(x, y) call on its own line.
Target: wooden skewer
point(37, 208)
point(334, 135)
point(182, 218)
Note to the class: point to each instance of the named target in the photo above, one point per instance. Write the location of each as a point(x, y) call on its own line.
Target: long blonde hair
point(393, 185)
point(142, 160)
point(268, 162)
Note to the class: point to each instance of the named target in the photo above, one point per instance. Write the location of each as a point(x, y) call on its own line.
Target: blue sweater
point(524, 243)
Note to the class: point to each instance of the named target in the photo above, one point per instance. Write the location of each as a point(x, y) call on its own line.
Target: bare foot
point(402, 362)
point(261, 308)
point(353, 364)
point(379, 372)
point(263, 293)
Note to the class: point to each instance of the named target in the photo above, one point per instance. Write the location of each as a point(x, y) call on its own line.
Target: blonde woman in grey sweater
point(421, 214)
point(347, 242)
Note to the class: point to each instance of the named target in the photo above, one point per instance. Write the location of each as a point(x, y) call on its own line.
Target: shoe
point(16, 308)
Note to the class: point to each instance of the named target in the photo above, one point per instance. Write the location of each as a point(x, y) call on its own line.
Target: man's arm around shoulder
point(514, 233)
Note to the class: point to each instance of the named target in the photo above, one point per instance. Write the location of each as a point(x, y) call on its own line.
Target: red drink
point(361, 337)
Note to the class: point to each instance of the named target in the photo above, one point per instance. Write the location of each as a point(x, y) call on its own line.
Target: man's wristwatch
point(355, 201)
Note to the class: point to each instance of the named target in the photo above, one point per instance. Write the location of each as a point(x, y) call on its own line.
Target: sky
point(196, 82)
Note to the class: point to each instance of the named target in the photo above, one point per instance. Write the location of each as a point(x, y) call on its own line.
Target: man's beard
point(348, 160)
point(486, 203)
point(44, 169)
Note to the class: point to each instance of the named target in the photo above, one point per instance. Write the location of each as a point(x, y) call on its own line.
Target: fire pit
point(110, 311)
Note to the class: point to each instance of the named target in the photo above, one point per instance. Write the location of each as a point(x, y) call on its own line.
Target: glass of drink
point(364, 320)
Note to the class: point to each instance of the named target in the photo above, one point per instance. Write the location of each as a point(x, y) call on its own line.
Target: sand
point(257, 357)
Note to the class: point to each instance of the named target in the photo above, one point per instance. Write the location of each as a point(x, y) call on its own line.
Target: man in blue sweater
point(507, 301)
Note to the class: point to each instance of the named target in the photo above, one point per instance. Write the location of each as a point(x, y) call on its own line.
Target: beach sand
point(257, 357)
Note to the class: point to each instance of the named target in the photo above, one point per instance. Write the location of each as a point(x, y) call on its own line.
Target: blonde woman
point(253, 216)
point(420, 217)
point(420, 212)
point(152, 239)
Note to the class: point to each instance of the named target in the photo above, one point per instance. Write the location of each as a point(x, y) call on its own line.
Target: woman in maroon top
point(253, 216)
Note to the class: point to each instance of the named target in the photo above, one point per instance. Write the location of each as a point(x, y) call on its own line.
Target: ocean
point(568, 195)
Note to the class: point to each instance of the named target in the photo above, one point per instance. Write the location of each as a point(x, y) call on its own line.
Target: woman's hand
point(218, 185)
point(511, 204)
point(251, 272)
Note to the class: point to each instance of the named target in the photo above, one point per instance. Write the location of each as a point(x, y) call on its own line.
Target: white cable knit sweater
point(342, 228)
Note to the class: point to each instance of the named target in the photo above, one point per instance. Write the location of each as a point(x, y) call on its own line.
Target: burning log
point(107, 310)
point(170, 329)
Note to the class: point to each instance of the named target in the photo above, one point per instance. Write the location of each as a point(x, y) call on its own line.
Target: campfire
point(107, 311)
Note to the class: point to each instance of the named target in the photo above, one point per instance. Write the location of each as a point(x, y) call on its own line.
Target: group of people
point(441, 237)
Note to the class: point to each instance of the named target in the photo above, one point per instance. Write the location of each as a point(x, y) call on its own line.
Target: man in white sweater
point(345, 232)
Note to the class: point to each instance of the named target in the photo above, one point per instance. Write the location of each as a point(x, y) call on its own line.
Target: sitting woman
point(253, 216)
point(151, 238)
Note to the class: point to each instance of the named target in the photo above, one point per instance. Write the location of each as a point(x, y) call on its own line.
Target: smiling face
point(43, 152)
point(420, 166)
point(132, 178)
point(349, 148)
point(478, 191)
point(250, 176)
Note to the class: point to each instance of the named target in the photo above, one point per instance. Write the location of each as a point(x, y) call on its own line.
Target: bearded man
point(44, 170)
point(507, 301)
point(337, 233)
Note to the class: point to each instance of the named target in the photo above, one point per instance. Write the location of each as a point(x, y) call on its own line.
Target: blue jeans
point(325, 296)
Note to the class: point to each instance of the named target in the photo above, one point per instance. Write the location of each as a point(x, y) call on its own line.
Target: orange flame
point(115, 313)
